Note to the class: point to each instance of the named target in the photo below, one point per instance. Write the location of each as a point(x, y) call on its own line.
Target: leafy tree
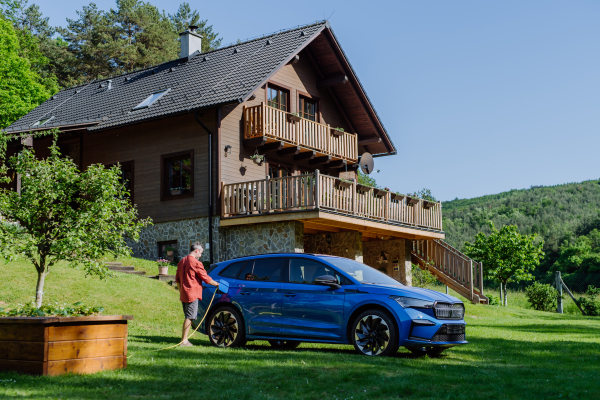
point(582, 255)
point(64, 214)
point(424, 194)
point(421, 277)
point(507, 256)
point(184, 17)
point(20, 87)
point(367, 180)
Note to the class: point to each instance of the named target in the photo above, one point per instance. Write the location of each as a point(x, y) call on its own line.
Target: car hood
point(408, 291)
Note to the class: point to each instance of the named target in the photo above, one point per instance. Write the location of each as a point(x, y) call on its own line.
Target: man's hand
point(214, 283)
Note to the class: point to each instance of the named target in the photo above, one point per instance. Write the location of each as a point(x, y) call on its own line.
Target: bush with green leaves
point(493, 300)
point(591, 303)
point(421, 277)
point(542, 296)
point(51, 310)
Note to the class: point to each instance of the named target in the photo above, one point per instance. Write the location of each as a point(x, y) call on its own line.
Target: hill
point(566, 217)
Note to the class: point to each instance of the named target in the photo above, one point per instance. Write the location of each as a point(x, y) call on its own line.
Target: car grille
point(449, 311)
point(450, 333)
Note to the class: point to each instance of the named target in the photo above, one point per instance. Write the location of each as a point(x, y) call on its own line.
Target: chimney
point(191, 42)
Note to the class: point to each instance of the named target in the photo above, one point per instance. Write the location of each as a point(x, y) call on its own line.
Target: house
point(252, 148)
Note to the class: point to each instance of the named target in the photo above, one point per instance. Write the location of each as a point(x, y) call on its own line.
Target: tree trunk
point(501, 294)
point(39, 291)
point(505, 295)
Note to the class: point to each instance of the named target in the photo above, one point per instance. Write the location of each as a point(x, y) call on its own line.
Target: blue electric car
point(292, 298)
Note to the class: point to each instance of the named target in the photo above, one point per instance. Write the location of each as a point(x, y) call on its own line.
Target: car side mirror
point(327, 280)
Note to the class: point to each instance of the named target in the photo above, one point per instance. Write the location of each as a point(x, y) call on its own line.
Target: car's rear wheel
point(432, 352)
point(226, 328)
point(284, 344)
point(375, 333)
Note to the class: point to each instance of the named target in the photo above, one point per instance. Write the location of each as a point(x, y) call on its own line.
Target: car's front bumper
point(420, 329)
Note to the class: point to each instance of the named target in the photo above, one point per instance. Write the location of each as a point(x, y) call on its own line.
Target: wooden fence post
point(471, 278)
point(268, 195)
point(481, 278)
point(559, 304)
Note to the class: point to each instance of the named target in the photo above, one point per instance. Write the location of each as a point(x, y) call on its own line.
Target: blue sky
point(479, 96)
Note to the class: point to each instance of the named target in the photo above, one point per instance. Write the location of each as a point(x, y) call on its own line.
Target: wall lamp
point(227, 150)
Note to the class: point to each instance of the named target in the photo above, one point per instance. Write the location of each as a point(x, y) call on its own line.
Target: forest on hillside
point(566, 217)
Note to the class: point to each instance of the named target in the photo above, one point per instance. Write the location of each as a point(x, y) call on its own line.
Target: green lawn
point(513, 353)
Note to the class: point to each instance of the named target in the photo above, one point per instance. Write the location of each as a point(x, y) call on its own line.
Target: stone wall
point(390, 256)
point(245, 240)
point(341, 244)
point(185, 231)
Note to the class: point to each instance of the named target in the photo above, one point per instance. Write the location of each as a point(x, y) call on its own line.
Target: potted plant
point(163, 266)
point(62, 341)
point(397, 196)
point(363, 188)
point(411, 200)
point(428, 204)
point(176, 191)
point(343, 183)
point(258, 159)
point(380, 192)
point(337, 131)
point(170, 251)
point(293, 117)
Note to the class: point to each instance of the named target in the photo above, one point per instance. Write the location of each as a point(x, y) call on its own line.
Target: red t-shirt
point(190, 272)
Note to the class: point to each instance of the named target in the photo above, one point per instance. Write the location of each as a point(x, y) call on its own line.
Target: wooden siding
point(145, 143)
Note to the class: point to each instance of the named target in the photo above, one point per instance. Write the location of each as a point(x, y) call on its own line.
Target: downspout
point(210, 188)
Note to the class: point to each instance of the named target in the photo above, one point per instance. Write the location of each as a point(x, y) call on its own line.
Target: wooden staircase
point(451, 267)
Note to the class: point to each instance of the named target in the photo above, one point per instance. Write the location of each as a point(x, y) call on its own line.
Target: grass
point(513, 353)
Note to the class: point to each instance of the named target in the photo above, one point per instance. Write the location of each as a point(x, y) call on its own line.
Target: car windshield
point(363, 273)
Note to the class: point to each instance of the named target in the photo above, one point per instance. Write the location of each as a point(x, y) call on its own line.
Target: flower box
point(336, 132)
point(380, 192)
point(61, 345)
point(411, 200)
point(428, 204)
point(342, 184)
point(397, 196)
point(176, 192)
point(363, 188)
point(291, 118)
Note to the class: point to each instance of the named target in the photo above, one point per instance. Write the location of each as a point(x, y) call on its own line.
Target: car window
point(362, 273)
point(232, 270)
point(305, 270)
point(263, 269)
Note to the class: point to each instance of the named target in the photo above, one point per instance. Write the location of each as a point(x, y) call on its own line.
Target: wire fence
point(577, 283)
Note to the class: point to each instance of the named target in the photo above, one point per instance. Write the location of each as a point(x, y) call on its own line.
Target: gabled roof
point(223, 76)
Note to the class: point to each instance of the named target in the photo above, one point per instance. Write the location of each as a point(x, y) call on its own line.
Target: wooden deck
point(317, 192)
point(272, 123)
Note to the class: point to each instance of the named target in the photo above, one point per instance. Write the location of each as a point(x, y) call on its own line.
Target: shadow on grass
point(500, 368)
point(552, 329)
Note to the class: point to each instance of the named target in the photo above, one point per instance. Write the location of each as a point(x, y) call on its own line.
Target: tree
point(20, 87)
point(64, 214)
point(368, 180)
point(184, 17)
point(424, 194)
point(507, 256)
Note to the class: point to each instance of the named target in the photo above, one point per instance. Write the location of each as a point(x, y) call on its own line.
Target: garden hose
point(200, 323)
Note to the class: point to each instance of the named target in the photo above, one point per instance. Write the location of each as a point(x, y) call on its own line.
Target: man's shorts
point(190, 310)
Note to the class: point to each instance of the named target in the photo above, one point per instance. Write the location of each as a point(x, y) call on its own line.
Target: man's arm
point(204, 277)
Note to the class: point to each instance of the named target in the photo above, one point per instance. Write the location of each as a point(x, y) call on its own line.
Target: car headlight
point(409, 302)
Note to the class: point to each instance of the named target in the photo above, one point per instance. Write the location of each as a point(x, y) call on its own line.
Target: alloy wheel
point(223, 328)
point(372, 335)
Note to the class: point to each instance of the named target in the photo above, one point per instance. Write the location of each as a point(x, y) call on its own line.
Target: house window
point(277, 98)
point(177, 175)
point(278, 172)
point(166, 248)
point(151, 99)
point(308, 108)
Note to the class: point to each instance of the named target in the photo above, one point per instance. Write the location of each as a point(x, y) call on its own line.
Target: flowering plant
point(162, 262)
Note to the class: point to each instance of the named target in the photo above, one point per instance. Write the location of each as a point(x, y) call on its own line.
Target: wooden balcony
point(276, 125)
point(316, 192)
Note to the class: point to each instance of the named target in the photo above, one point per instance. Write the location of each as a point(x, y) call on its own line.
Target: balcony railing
point(323, 192)
point(273, 123)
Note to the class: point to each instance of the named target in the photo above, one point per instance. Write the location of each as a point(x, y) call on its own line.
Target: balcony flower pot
point(163, 270)
point(342, 184)
point(363, 188)
point(60, 345)
point(380, 192)
point(336, 131)
point(428, 204)
point(176, 192)
point(169, 253)
point(291, 118)
point(397, 196)
point(411, 200)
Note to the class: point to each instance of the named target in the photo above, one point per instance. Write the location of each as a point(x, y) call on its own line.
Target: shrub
point(590, 303)
point(421, 277)
point(493, 300)
point(542, 296)
point(52, 310)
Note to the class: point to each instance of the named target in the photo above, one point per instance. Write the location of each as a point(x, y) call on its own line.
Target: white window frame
point(40, 123)
point(148, 101)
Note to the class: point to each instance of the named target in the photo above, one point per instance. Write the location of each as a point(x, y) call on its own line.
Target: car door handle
point(290, 294)
point(245, 293)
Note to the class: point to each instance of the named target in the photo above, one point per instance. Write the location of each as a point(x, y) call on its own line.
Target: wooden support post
point(353, 196)
point(317, 189)
point(559, 304)
point(268, 188)
point(481, 278)
point(222, 199)
point(471, 278)
point(571, 295)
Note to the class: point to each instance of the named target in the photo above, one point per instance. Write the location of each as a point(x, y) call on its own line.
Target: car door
point(309, 310)
point(258, 292)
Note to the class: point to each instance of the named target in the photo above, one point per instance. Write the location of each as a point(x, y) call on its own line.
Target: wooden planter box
point(293, 118)
point(428, 204)
point(336, 132)
point(342, 184)
point(363, 188)
point(396, 196)
point(380, 192)
point(410, 201)
point(59, 345)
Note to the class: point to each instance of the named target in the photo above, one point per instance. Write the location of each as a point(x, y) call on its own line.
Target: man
point(189, 278)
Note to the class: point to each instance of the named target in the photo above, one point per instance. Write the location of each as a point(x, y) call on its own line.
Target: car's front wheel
point(375, 333)
point(284, 344)
point(226, 328)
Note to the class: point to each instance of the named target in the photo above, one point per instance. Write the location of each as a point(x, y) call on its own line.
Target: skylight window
point(151, 99)
point(42, 121)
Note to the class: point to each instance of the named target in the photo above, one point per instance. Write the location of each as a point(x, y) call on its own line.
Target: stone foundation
point(276, 237)
point(342, 244)
point(185, 231)
point(391, 257)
